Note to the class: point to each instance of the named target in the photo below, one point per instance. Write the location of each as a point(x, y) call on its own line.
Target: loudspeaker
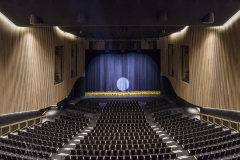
point(123, 46)
point(154, 46)
point(35, 20)
point(138, 46)
point(107, 46)
point(162, 15)
point(82, 17)
point(209, 18)
point(90, 46)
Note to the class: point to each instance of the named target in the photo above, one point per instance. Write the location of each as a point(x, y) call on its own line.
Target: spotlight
point(123, 29)
point(82, 17)
point(209, 18)
point(107, 46)
point(122, 46)
point(90, 46)
point(35, 20)
point(138, 46)
point(154, 46)
point(162, 15)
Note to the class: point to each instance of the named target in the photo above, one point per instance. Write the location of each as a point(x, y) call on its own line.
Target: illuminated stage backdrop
point(122, 71)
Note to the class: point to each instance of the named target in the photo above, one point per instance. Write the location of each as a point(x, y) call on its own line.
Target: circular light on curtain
point(122, 84)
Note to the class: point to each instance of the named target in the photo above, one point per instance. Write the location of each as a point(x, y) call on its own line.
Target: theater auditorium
point(119, 80)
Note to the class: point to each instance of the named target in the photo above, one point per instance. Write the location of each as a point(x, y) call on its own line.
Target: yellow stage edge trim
point(116, 93)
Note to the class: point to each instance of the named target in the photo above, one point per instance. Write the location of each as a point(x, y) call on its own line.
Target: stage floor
point(103, 99)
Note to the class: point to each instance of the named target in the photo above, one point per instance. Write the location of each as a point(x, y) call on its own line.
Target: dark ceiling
point(119, 18)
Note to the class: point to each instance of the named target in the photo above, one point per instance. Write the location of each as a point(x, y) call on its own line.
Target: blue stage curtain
point(103, 72)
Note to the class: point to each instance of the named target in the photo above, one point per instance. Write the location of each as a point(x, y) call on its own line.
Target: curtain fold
point(141, 71)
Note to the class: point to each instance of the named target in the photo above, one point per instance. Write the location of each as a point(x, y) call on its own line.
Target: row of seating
point(93, 104)
point(79, 119)
point(57, 125)
point(103, 113)
point(137, 107)
point(68, 122)
point(140, 137)
point(122, 117)
point(74, 114)
point(123, 127)
point(157, 106)
point(89, 105)
point(25, 152)
point(161, 117)
point(48, 129)
point(52, 126)
point(122, 133)
point(137, 111)
point(121, 147)
point(154, 103)
point(185, 124)
point(36, 141)
point(47, 133)
point(127, 157)
point(125, 104)
point(169, 122)
point(39, 141)
point(121, 142)
point(121, 121)
point(136, 131)
point(122, 124)
point(182, 123)
point(121, 152)
point(20, 144)
point(208, 134)
point(232, 154)
point(85, 109)
point(202, 139)
point(206, 142)
point(212, 148)
point(191, 130)
point(122, 130)
point(161, 113)
point(45, 137)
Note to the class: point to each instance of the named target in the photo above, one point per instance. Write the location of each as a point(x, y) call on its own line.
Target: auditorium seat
point(44, 139)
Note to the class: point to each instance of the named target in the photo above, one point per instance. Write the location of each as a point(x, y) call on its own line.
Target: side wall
point(214, 64)
point(27, 66)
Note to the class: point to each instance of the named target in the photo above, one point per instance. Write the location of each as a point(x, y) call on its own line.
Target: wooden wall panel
point(27, 66)
point(214, 65)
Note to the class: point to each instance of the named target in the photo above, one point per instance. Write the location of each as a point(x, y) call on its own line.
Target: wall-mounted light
point(209, 18)
point(162, 15)
point(35, 20)
point(82, 17)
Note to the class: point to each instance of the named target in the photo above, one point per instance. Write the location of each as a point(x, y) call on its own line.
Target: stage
point(114, 98)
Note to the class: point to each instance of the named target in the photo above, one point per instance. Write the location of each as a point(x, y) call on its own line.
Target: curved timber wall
point(214, 63)
point(27, 66)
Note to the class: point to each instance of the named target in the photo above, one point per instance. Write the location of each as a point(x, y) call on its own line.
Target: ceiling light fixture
point(162, 15)
point(35, 20)
point(209, 18)
point(82, 17)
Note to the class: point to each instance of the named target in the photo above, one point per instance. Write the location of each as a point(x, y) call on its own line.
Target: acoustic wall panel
point(27, 66)
point(213, 65)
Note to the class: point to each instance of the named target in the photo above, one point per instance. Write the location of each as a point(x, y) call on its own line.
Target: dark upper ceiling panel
point(118, 32)
point(115, 13)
